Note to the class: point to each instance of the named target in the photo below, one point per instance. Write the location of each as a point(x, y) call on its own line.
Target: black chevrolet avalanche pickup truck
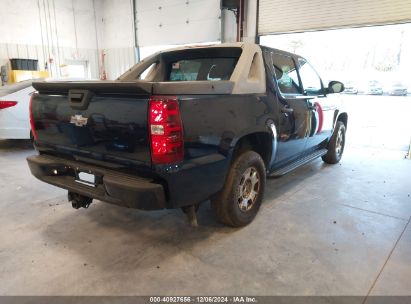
point(186, 126)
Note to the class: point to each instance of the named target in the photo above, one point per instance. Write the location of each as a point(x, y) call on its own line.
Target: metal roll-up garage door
point(277, 16)
point(173, 22)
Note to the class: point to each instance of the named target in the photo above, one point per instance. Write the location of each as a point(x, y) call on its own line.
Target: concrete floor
point(322, 230)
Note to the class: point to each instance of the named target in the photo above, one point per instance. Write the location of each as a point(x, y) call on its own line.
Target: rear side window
point(286, 74)
point(197, 69)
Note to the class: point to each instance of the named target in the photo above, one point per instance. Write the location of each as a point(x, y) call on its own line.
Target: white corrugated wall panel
point(277, 16)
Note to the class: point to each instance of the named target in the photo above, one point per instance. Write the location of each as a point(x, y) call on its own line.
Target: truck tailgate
point(99, 120)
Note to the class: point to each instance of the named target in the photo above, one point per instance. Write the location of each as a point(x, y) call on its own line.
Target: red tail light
point(33, 130)
point(4, 104)
point(166, 130)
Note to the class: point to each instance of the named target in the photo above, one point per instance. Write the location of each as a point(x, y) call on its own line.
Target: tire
point(238, 202)
point(336, 145)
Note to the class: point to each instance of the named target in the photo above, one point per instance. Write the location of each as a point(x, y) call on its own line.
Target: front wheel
point(238, 203)
point(336, 145)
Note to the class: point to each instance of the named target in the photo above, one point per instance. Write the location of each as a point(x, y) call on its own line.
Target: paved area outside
point(322, 230)
point(378, 121)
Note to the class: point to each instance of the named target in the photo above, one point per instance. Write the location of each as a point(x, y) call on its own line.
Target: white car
point(14, 110)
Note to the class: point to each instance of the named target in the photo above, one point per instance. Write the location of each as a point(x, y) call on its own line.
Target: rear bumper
point(111, 186)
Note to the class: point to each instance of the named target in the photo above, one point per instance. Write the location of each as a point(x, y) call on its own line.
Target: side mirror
point(335, 87)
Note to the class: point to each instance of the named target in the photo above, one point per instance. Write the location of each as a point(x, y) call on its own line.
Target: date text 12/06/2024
point(203, 299)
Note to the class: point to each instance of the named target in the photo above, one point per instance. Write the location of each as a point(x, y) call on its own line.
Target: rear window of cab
point(191, 64)
point(201, 64)
point(197, 69)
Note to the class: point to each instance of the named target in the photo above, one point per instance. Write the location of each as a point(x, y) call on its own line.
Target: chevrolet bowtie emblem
point(78, 120)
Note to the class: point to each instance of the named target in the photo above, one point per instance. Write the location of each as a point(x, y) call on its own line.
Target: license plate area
point(86, 178)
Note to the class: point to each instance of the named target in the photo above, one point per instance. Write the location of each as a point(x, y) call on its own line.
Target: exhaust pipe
point(79, 201)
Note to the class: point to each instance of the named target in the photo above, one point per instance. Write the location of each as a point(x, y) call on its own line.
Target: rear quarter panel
point(212, 125)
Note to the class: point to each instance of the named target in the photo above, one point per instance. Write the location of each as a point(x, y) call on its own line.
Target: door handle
point(287, 110)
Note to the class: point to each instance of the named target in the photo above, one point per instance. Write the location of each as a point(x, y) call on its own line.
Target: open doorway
point(75, 69)
point(374, 64)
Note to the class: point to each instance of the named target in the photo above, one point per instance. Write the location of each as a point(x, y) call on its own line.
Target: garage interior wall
point(61, 32)
point(158, 23)
point(115, 32)
point(277, 16)
point(52, 31)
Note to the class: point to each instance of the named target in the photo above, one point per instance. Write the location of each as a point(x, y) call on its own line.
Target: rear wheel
point(336, 145)
point(238, 203)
